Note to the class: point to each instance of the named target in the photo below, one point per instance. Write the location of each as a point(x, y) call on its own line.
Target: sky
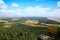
point(29, 8)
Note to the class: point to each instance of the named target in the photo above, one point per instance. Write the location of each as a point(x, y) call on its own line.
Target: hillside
point(15, 30)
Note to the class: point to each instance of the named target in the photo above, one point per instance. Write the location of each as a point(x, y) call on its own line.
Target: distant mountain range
point(49, 20)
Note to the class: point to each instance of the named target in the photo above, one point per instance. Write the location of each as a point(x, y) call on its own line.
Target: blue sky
point(25, 3)
point(39, 8)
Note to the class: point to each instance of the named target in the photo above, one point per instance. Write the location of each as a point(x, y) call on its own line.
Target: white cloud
point(55, 13)
point(28, 10)
point(36, 11)
point(15, 5)
point(2, 2)
point(19, 11)
point(37, 7)
point(10, 13)
point(5, 12)
point(58, 3)
point(2, 5)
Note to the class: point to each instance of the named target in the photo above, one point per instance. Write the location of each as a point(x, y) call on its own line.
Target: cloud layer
point(35, 11)
point(2, 4)
point(28, 11)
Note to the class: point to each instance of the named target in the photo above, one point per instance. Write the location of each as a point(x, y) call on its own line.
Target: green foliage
point(18, 31)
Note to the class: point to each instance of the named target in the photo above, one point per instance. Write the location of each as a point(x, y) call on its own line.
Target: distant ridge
point(41, 19)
